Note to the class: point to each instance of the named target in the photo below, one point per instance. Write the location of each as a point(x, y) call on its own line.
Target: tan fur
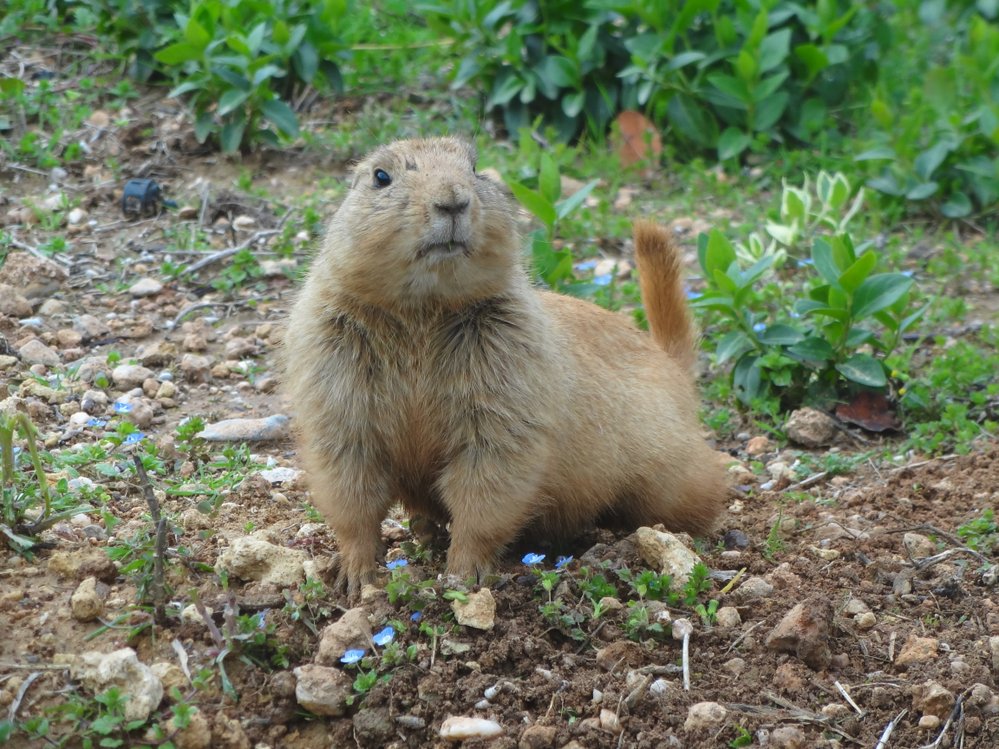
point(426, 369)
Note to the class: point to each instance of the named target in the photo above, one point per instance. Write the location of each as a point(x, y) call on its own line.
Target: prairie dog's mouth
point(443, 249)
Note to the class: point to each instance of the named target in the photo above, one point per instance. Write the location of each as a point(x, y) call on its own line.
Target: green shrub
point(934, 125)
point(241, 62)
point(719, 73)
point(815, 347)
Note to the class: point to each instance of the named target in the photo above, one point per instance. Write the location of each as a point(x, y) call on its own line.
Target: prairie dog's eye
point(382, 178)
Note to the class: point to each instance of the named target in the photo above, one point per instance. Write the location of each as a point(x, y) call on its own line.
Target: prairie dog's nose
point(452, 201)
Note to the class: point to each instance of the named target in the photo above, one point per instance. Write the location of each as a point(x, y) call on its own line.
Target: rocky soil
point(849, 611)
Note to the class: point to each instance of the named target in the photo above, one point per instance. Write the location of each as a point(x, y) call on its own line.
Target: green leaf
point(774, 49)
point(178, 53)
point(196, 35)
point(684, 58)
point(812, 349)
point(230, 100)
point(549, 184)
point(814, 59)
point(957, 206)
point(265, 72)
point(280, 33)
point(504, 90)
point(719, 253)
point(560, 72)
point(769, 111)
point(780, 335)
point(731, 143)
point(853, 276)
point(733, 345)
point(879, 153)
point(928, 161)
point(746, 378)
point(885, 183)
point(922, 191)
point(732, 88)
point(231, 135)
point(694, 122)
point(575, 200)
point(306, 62)
point(822, 257)
point(535, 203)
point(279, 114)
point(204, 124)
point(572, 104)
point(864, 370)
point(879, 292)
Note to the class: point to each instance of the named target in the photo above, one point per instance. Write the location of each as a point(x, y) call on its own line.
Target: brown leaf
point(639, 140)
point(869, 410)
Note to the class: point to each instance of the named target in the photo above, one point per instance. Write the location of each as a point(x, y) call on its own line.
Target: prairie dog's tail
point(662, 292)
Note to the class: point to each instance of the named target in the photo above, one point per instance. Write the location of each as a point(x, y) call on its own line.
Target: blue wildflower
point(416, 616)
point(383, 638)
point(760, 327)
point(586, 265)
point(603, 280)
point(397, 563)
point(352, 656)
point(262, 619)
point(561, 562)
point(122, 408)
point(692, 295)
point(805, 261)
point(94, 422)
point(134, 438)
point(530, 558)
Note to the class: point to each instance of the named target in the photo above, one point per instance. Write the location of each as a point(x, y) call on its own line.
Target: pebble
point(281, 475)
point(538, 737)
point(810, 428)
point(752, 589)
point(478, 612)
point(322, 690)
point(727, 617)
point(76, 217)
point(932, 698)
point(804, 632)
point(86, 602)
point(462, 728)
point(788, 737)
point(140, 687)
point(253, 558)
point(273, 427)
point(735, 666)
point(918, 546)
point(705, 715)
point(610, 722)
point(36, 352)
point(145, 287)
point(666, 553)
point(351, 631)
point(196, 368)
point(758, 445)
point(917, 650)
point(128, 376)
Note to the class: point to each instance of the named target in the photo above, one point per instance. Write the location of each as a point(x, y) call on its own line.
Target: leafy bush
point(719, 73)
point(814, 347)
point(936, 125)
point(241, 61)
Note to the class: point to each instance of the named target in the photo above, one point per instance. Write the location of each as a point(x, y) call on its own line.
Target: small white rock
point(462, 728)
point(145, 287)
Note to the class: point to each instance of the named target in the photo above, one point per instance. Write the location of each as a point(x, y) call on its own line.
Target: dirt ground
point(897, 638)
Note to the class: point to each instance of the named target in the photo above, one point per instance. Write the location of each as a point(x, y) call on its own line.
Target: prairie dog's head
point(419, 223)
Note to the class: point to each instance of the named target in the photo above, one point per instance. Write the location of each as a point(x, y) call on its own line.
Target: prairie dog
point(425, 368)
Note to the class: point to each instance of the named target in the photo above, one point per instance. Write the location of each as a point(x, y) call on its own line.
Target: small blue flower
point(122, 408)
point(134, 438)
point(530, 558)
point(397, 563)
point(383, 638)
point(352, 656)
point(586, 265)
point(94, 422)
point(907, 273)
point(692, 295)
point(805, 261)
point(262, 619)
point(760, 327)
point(603, 280)
point(416, 616)
point(561, 562)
